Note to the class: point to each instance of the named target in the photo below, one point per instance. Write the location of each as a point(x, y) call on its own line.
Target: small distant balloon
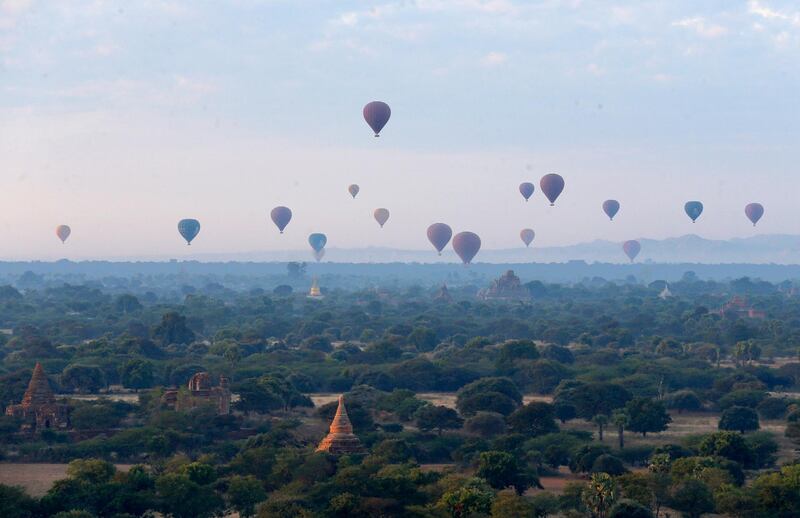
point(466, 245)
point(754, 211)
point(318, 254)
point(552, 184)
point(63, 232)
point(439, 235)
point(631, 249)
point(381, 216)
point(353, 190)
point(527, 235)
point(317, 241)
point(189, 228)
point(377, 114)
point(281, 216)
point(693, 209)
point(611, 207)
point(526, 189)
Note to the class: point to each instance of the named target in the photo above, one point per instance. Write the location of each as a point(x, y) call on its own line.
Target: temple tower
point(341, 438)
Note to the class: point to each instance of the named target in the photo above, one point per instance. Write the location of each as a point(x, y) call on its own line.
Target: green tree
point(430, 417)
point(93, 471)
point(508, 504)
point(692, 498)
point(601, 420)
point(600, 494)
point(534, 419)
point(647, 415)
point(137, 374)
point(183, 498)
point(620, 420)
point(626, 508)
point(474, 497)
point(486, 424)
point(173, 330)
point(15, 503)
point(244, 493)
point(739, 418)
point(502, 470)
point(83, 378)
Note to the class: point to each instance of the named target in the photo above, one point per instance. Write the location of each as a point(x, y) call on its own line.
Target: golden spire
point(341, 439)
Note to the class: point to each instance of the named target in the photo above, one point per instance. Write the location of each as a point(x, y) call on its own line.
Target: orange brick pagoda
point(39, 410)
point(341, 438)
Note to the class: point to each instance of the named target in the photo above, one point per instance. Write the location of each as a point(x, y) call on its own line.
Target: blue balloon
point(317, 241)
point(693, 209)
point(189, 228)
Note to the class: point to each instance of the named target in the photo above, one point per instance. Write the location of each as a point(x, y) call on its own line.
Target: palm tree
point(620, 418)
point(599, 494)
point(600, 420)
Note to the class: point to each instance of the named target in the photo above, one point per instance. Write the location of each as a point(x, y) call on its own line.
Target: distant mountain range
point(761, 249)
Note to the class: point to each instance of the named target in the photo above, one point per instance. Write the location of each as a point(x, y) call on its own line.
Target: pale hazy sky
point(120, 118)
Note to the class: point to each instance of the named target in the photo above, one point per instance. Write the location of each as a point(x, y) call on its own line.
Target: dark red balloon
point(551, 185)
point(377, 114)
point(439, 235)
point(466, 245)
point(527, 235)
point(754, 211)
point(526, 189)
point(631, 249)
point(611, 207)
point(281, 216)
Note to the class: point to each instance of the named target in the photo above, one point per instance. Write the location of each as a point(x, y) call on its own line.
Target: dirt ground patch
point(37, 479)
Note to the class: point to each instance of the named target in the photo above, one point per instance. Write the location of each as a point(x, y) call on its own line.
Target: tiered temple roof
point(39, 391)
point(38, 409)
point(341, 438)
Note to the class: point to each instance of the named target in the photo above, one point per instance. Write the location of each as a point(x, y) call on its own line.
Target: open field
point(447, 399)
point(37, 478)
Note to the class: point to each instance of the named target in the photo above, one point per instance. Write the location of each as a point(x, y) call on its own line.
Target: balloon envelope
point(63, 232)
point(188, 228)
point(693, 209)
point(377, 114)
point(353, 190)
point(611, 207)
point(754, 211)
point(527, 235)
point(551, 184)
point(526, 189)
point(631, 249)
point(466, 245)
point(317, 241)
point(281, 216)
point(439, 235)
point(381, 216)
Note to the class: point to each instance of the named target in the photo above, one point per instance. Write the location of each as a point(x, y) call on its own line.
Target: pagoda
point(39, 410)
point(340, 438)
point(315, 292)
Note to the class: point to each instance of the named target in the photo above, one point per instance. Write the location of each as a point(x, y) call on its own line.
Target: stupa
point(340, 438)
point(315, 292)
point(39, 410)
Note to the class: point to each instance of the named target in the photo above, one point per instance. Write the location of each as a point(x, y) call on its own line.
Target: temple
point(200, 393)
point(507, 287)
point(315, 293)
point(443, 295)
point(39, 410)
point(739, 308)
point(341, 438)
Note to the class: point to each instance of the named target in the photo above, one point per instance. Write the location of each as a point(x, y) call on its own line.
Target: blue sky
point(120, 118)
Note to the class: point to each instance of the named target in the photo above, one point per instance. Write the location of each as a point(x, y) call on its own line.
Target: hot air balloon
point(189, 228)
point(63, 232)
point(754, 211)
point(318, 254)
point(551, 185)
point(381, 216)
point(353, 190)
point(466, 245)
point(526, 189)
point(631, 248)
point(527, 235)
point(281, 216)
point(439, 235)
point(611, 207)
point(377, 114)
point(693, 209)
point(317, 241)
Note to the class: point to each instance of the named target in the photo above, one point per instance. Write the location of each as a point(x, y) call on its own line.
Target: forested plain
point(579, 399)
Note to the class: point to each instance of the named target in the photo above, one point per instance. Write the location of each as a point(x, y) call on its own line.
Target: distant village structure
point(739, 308)
point(38, 409)
point(443, 295)
point(200, 393)
point(507, 287)
point(341, 438)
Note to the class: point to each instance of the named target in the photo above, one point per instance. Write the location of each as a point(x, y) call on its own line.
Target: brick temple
point(39, 410)
point(200, 393)
point(341, 438)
